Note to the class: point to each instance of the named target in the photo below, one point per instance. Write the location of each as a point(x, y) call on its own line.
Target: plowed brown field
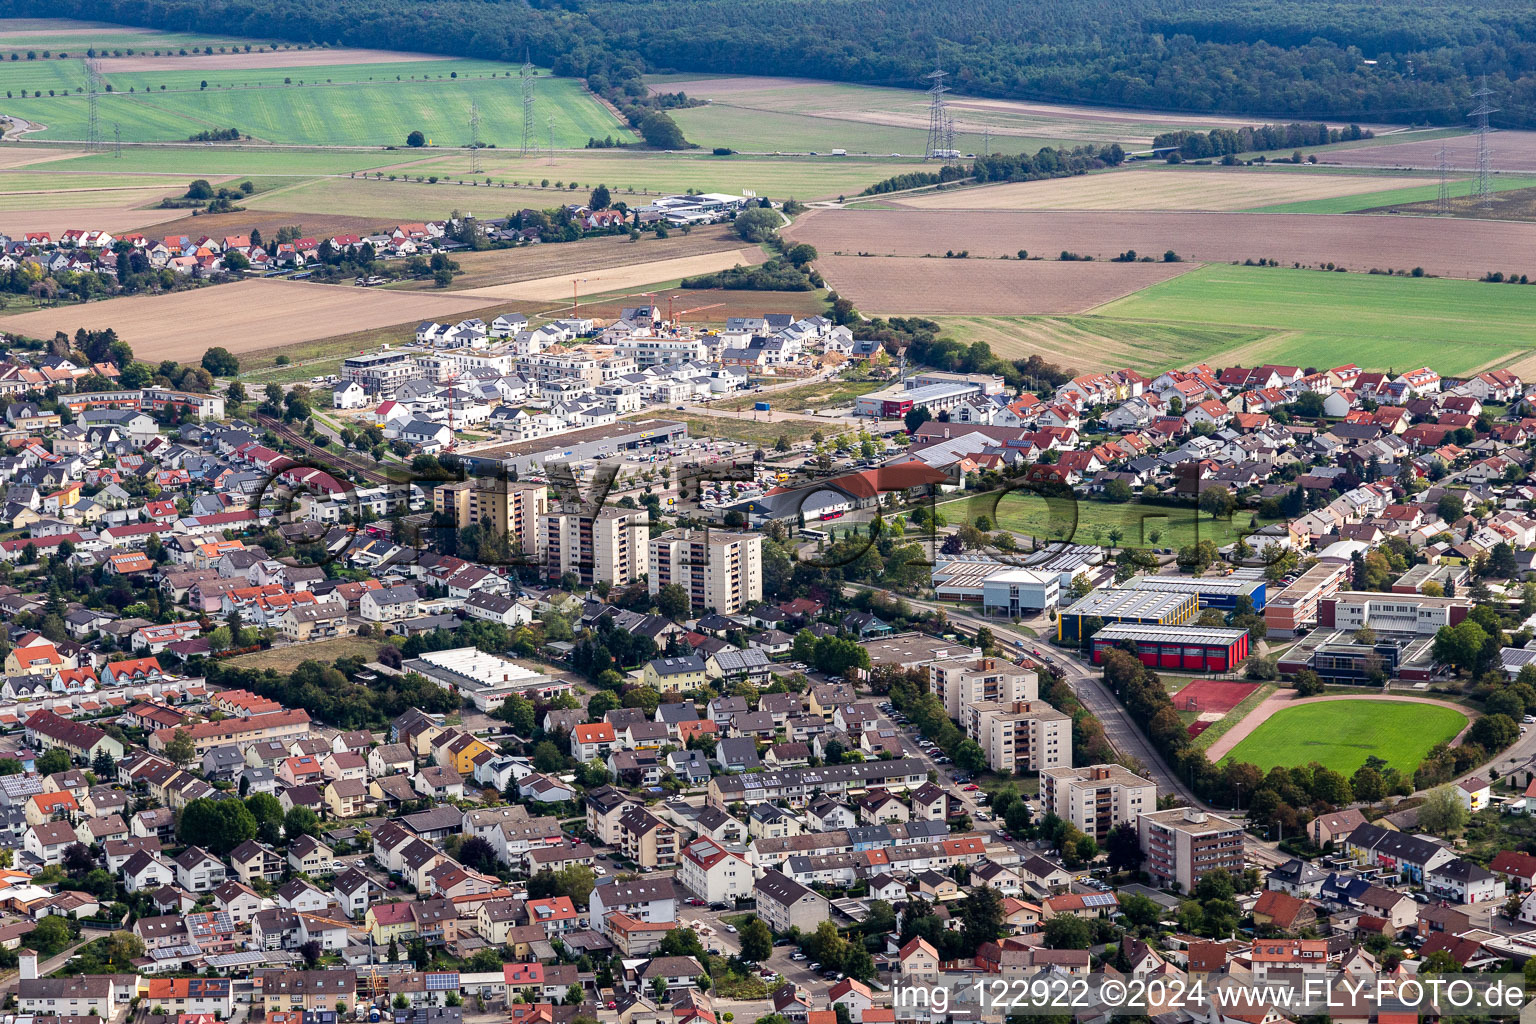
point(885, 285)
point(1441, 247)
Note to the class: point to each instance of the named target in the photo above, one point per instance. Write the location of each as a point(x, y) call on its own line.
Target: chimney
point(28, 965)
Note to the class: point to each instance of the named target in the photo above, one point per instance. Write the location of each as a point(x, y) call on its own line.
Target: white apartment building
point(721, 571)
point(1027, 735)
point(1097, 797)
point(607, 546)
point(962, 681)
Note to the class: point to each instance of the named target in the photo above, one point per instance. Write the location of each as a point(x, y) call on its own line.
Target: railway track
point(324, 458)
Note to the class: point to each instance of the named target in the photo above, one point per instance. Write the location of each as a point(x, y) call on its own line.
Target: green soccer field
point(1342, 734)
point(1320, 319)
point(1082, 521)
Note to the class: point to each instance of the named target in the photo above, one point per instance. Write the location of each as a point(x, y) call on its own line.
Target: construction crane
point(685, 312)
point(574, 282)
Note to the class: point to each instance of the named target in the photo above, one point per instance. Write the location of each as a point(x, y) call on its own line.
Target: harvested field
point(1103, 343)
point(1518, 204)
point(265, 221)
point(725, 304)
point(634, 275)
point(1507, 151)
point(1155, 189)
point(501, 266)
point(894, 285)
point(1448, 249)
point(261, 59)
point(113, 216)
point(243, 317)
point(1213, 695)
point(18, 156)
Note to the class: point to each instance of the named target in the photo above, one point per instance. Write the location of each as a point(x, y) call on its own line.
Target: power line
point(474, 138)
point(92, 86)
point(941, 130)
point(117, 141)
point(549, 123)
point(1443, 203)
point(526, 74)
point(1484, 190)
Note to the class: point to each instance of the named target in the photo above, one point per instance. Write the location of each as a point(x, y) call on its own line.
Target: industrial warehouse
point(1219, 592)
point(1138, 607)
point(1184, 648)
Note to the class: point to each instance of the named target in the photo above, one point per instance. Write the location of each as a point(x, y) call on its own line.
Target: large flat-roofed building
point(1390, 613)
point(487, 679)
point(1182, 845)
point(1096, 797)
point(1185, 648)
point(721, 571)
point(523, 457)
point(379, 372)
point(1219, 592)
point(1019, 735)
point(512, 507)
point(1295, 607)
point(609, 546)
point(1145, 607)
point(915, 650)
point(961, 681)
point(1337, 657)
point(989, 383)
point(1000, 589)
point(894, 403)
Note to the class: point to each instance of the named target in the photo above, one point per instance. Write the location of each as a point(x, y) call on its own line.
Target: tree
point(415, 139)
point(1308, 683)
point(268, 812)
point(1493, 732)
point(49, 937)
point(756, 940)
point(53, 761)
point(1460, 645)
point(757, 224)
point(1067, 932)
point(916, 418)
point(672, 601)
point(103, 766)
point(969, 756)
point(181, 749)
point(575, 995)
point(600, 199)
point(216, 825)
point(1367, 784)
point(1124, 847)
point(219, 362)
point(1140, 911)
point(1442, 812)
point(661, 132)
point(1217, 502)
point(982, 917)
point(659, 985)
point(301, 821)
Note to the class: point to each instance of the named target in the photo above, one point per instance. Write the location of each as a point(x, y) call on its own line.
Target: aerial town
point(473, 683)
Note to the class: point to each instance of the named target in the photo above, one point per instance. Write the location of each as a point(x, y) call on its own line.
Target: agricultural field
point(1089, 343)
point(1399, 732)
point(364, 103)
point(1513, 199)
point(1444, 248)
point(1507, 151)
point(18, 35)
point(896, 285)
point(243, 317)
point(796, 114)
point(395, 201)
point(1083, 521)
point(495, 267)
point(1160, 188)
point(1411, 199)
point(628, 275)
point(1312, 317)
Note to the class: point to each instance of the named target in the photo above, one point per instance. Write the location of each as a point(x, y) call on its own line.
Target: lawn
point(291, 656)
point(361, 104)
point(760, 432)
point(1318, 319)
point(1400, 733)
point(1084, 521)
point(820, 395)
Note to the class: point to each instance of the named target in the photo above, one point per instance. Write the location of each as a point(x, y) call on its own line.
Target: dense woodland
point(1305, 58)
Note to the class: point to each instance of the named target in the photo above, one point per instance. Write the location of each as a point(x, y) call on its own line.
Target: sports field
point(1341, 735)
point(1381, 322)
point(1203, 695)
point(1082, 521)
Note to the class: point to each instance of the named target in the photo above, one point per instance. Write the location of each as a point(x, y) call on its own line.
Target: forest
point(1339, 59)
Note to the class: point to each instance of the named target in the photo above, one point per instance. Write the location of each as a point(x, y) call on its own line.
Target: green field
point(1399, 733)
point(1101, 342)
point(18, 35)
point(1083, 521)
point(1320, 319)
point(1393, 196)
point(355, 104)
point(191, 160)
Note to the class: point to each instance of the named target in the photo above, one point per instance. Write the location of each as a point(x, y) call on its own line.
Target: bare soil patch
point(1507, 151)
point(895, 285)
point(722, 305)
point(20, 156)
point(1147, 189)
point(244, 317)
point(614, 278)
point(261, 59)
point(1441, 247)
point(116, 220)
